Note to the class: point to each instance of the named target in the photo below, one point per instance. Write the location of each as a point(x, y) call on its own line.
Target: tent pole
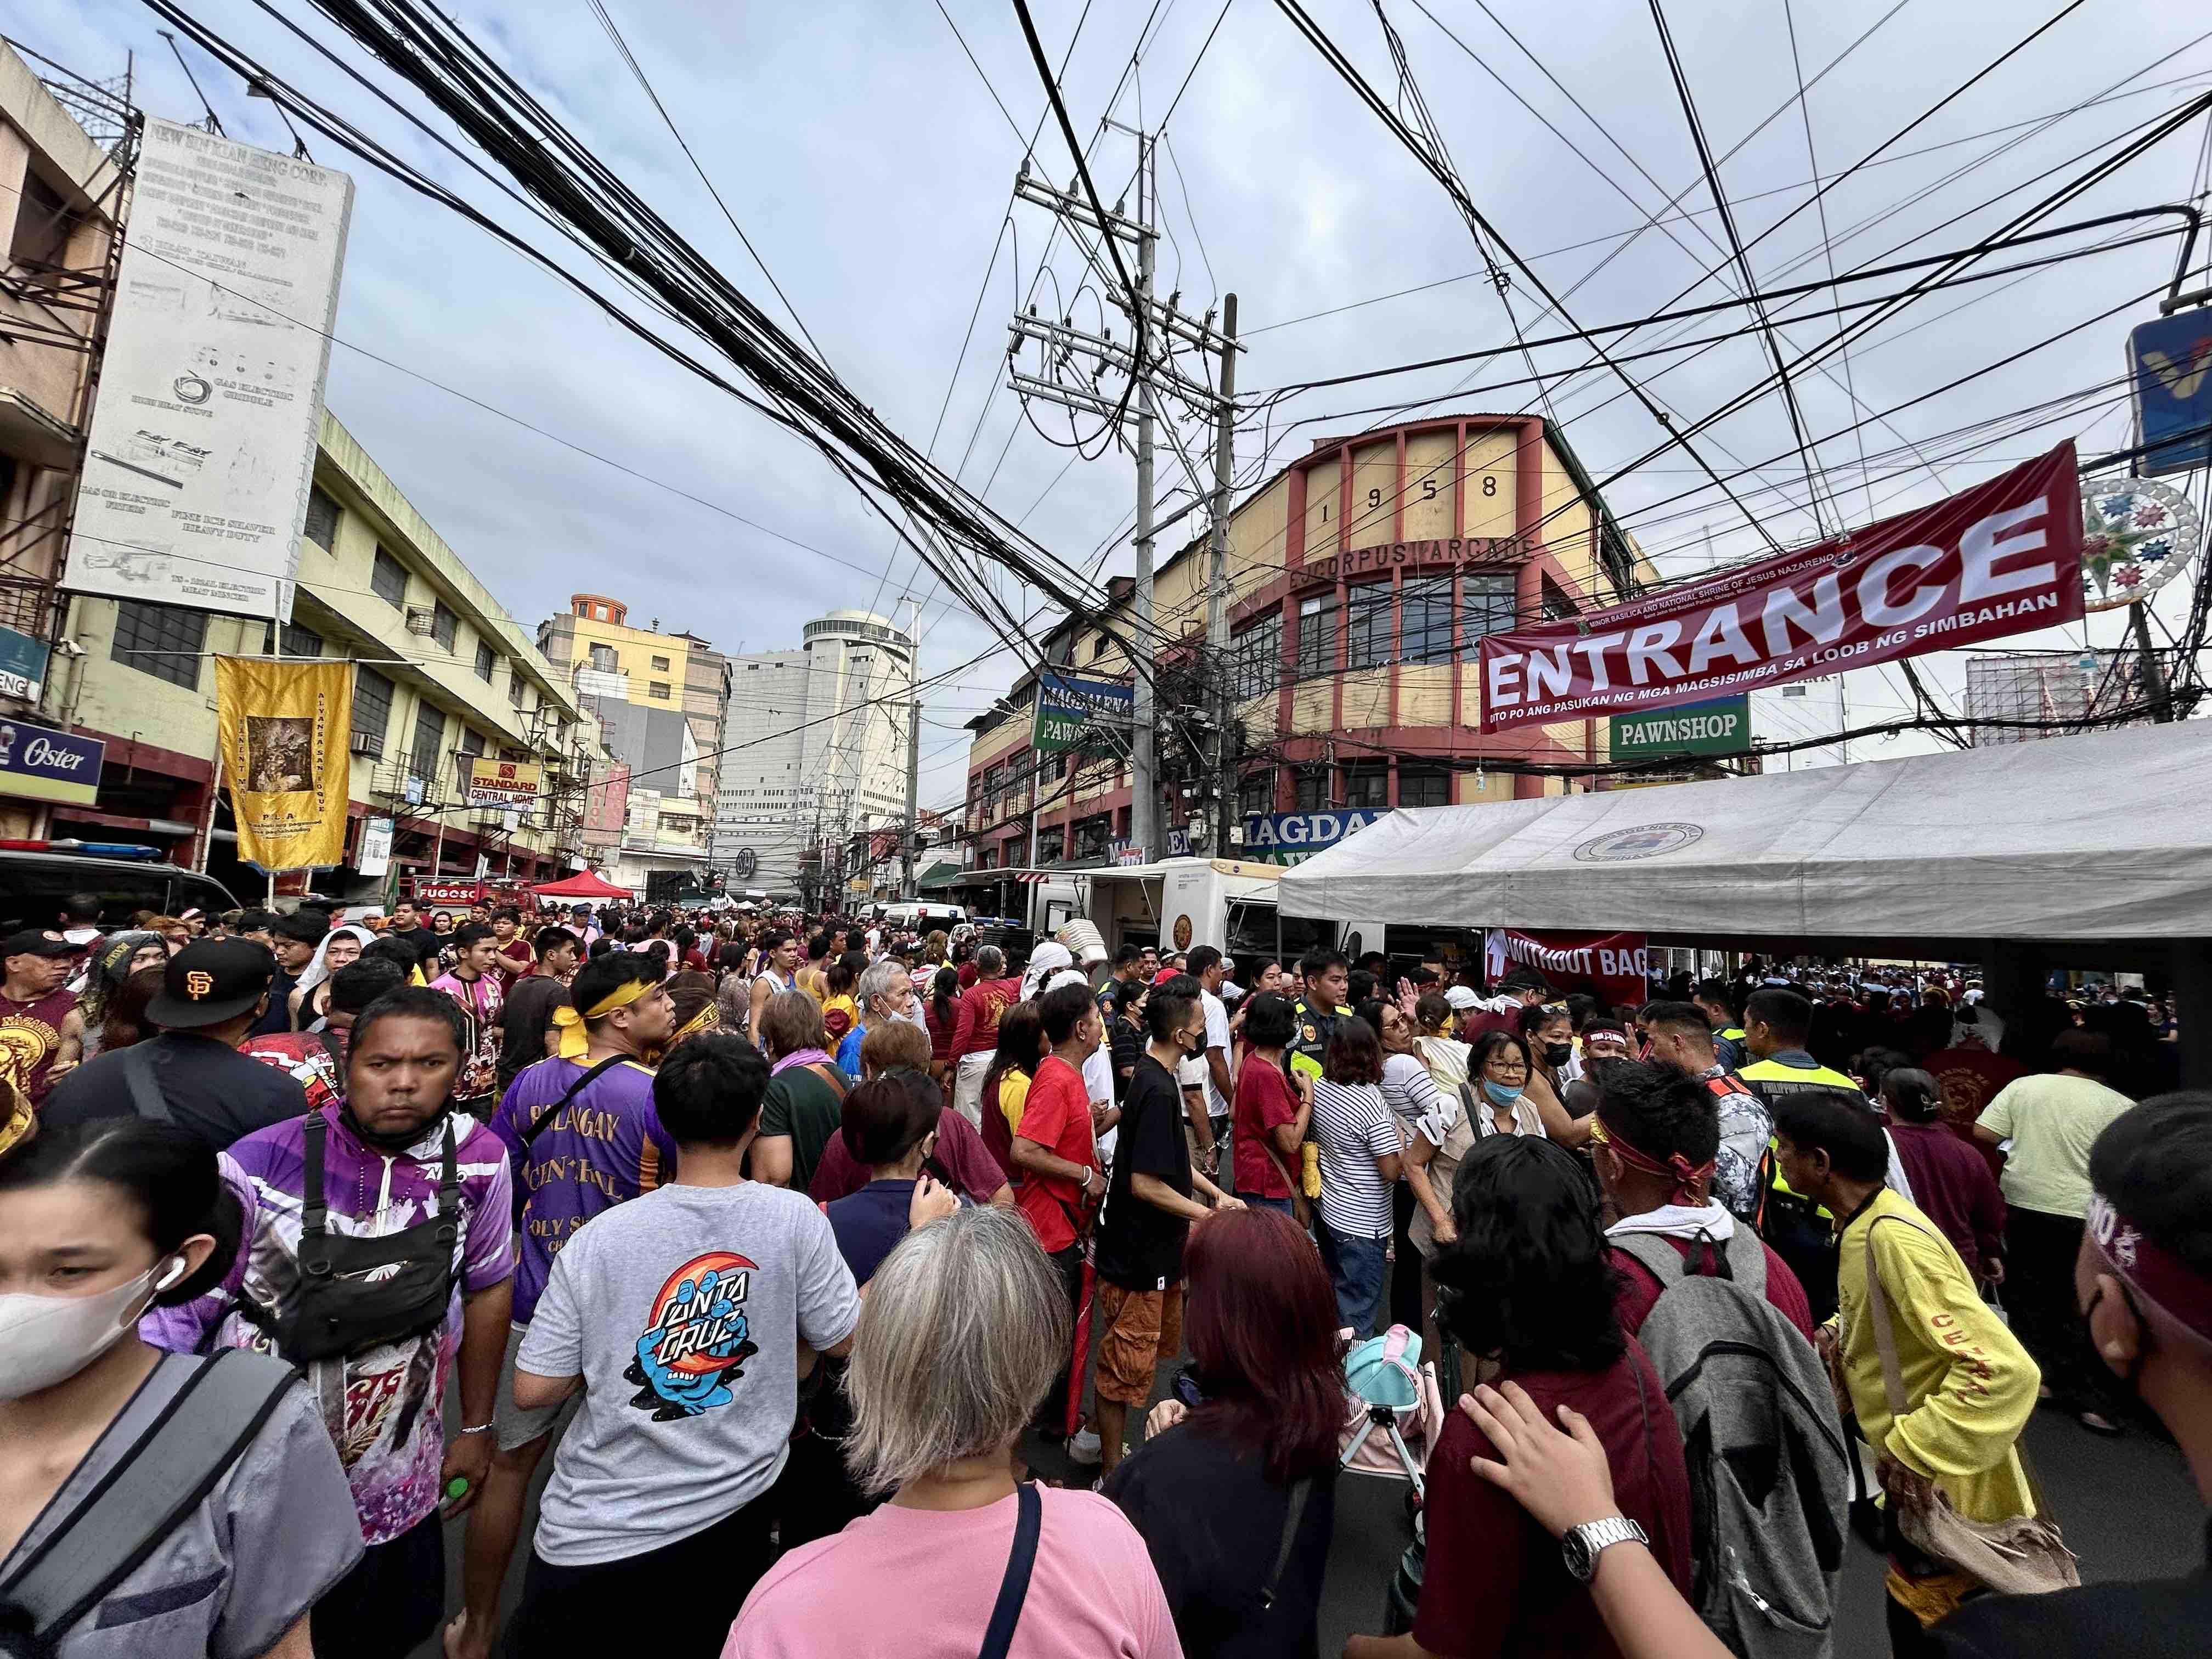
point(2192, 1010)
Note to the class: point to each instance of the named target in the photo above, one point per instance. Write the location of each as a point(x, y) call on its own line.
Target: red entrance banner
point(2003, 557)
point(1610, 966)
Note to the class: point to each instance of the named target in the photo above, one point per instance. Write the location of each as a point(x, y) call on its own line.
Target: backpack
point(1770, 1472)
point(163, 1477)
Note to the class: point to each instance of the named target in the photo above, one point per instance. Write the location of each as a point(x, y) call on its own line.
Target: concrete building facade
point(60, 198)
point(661, 700)
point(814, 751)
point(445, 673)
point(1362, 577)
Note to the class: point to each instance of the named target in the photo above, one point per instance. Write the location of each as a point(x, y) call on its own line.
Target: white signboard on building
point(203, 439)
point(373, 857)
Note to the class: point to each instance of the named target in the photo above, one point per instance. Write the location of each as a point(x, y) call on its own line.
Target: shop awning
point(2103, 836)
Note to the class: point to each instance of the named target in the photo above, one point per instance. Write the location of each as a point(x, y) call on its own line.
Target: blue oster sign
point(40, 763)
point(2171, 361)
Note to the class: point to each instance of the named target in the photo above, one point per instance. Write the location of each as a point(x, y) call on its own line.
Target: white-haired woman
point(963, 1329)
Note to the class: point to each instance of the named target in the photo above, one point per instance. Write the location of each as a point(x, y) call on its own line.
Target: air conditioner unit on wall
point(364, 743)
point(422, 619)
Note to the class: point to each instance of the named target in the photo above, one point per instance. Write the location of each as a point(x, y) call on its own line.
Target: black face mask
point(397, 1141)
point(1557, 1054)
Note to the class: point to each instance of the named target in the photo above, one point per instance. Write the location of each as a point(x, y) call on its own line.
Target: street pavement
point(2127, 1507)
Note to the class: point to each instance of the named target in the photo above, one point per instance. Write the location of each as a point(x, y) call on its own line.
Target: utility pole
point(1074, 362)
point(1144, 724)
point(1217, 588)
point(909, 847)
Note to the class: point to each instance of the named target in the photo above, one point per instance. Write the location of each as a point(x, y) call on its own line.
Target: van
point(34, 886)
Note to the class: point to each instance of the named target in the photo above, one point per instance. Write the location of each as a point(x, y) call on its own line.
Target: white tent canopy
point(2105, 836)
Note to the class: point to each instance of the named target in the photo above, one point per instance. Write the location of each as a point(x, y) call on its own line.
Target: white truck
point(1177, 904)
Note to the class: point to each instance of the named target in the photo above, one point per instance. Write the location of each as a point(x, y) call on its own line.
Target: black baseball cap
point(211, 980)
point(37, 942)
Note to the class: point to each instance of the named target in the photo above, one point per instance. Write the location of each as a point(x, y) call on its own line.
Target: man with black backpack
point(1726, 1325)
point(378, 1255)
point(582, 1135)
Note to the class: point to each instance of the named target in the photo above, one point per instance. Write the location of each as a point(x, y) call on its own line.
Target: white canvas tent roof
point(2106, 836)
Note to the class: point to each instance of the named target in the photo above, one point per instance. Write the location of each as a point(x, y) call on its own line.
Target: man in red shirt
point(1653, 1147)
point(975, 1029)
point(1058, 1180)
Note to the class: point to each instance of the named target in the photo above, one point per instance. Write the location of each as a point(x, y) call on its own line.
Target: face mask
point(913, 1014)
point(1194, 1044)
point(45, 1340)
point(1501, 1094)
point(1557, 1054)
point(395, 1141)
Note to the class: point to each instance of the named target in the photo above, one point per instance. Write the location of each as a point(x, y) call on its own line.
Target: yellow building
point(445, 674)
point(1361, 580)
point(661, 700)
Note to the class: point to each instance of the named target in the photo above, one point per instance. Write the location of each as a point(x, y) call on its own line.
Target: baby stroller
point(1395, 1412)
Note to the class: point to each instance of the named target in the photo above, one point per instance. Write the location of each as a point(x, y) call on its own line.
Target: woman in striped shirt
point(1361, 1149)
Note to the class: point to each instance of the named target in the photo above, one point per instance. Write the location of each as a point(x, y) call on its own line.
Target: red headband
point(1690, 1178)
point(2150, 1270)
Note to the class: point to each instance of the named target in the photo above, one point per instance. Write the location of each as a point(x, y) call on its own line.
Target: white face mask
point(45, 1340)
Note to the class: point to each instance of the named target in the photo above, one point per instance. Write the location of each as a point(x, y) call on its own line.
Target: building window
point(1312, 789)
point(387, 579)
point(1367, 785)
point(1094, 836)
point(162, 640)
point(291, 640)
point(660, 665)
point(659, 690)
point(1424, 786)
point(1255, 794)
point(445, 626)
point(1098, 648)
point(429, 738)
point(1425, 621)
point(515, 688)
point(1054, 769)
point(322, 525)
point(484, 662)
point(1050, 843)
point(1256, 658)
point(372, 707)
point(1317, 636)
point(1485, 606)
point(1367, 626)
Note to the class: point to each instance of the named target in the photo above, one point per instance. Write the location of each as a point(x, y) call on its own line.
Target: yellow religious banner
point(283, 734)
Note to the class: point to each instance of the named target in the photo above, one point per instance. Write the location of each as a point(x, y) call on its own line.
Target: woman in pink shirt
point(962, 1331)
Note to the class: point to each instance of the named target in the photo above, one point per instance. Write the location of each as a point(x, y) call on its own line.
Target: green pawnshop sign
point(1069, 709)
point(1721, 726)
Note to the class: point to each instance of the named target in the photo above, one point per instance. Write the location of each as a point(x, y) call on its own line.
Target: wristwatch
point(1583, 1545)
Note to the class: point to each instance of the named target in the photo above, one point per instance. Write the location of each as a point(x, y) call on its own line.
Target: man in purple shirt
point(386, 1152)
point(577, 1151)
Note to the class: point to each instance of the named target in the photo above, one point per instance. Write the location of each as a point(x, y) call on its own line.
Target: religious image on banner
point(284, 730)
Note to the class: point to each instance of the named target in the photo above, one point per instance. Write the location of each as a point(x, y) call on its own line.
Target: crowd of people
point(879, 1292)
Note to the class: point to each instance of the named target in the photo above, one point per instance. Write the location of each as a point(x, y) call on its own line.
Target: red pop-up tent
point(582, 886)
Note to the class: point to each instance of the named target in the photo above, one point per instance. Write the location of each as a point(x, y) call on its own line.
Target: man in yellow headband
point(583, 1137)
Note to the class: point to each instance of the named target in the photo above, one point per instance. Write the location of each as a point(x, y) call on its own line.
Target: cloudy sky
point(872, 166)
